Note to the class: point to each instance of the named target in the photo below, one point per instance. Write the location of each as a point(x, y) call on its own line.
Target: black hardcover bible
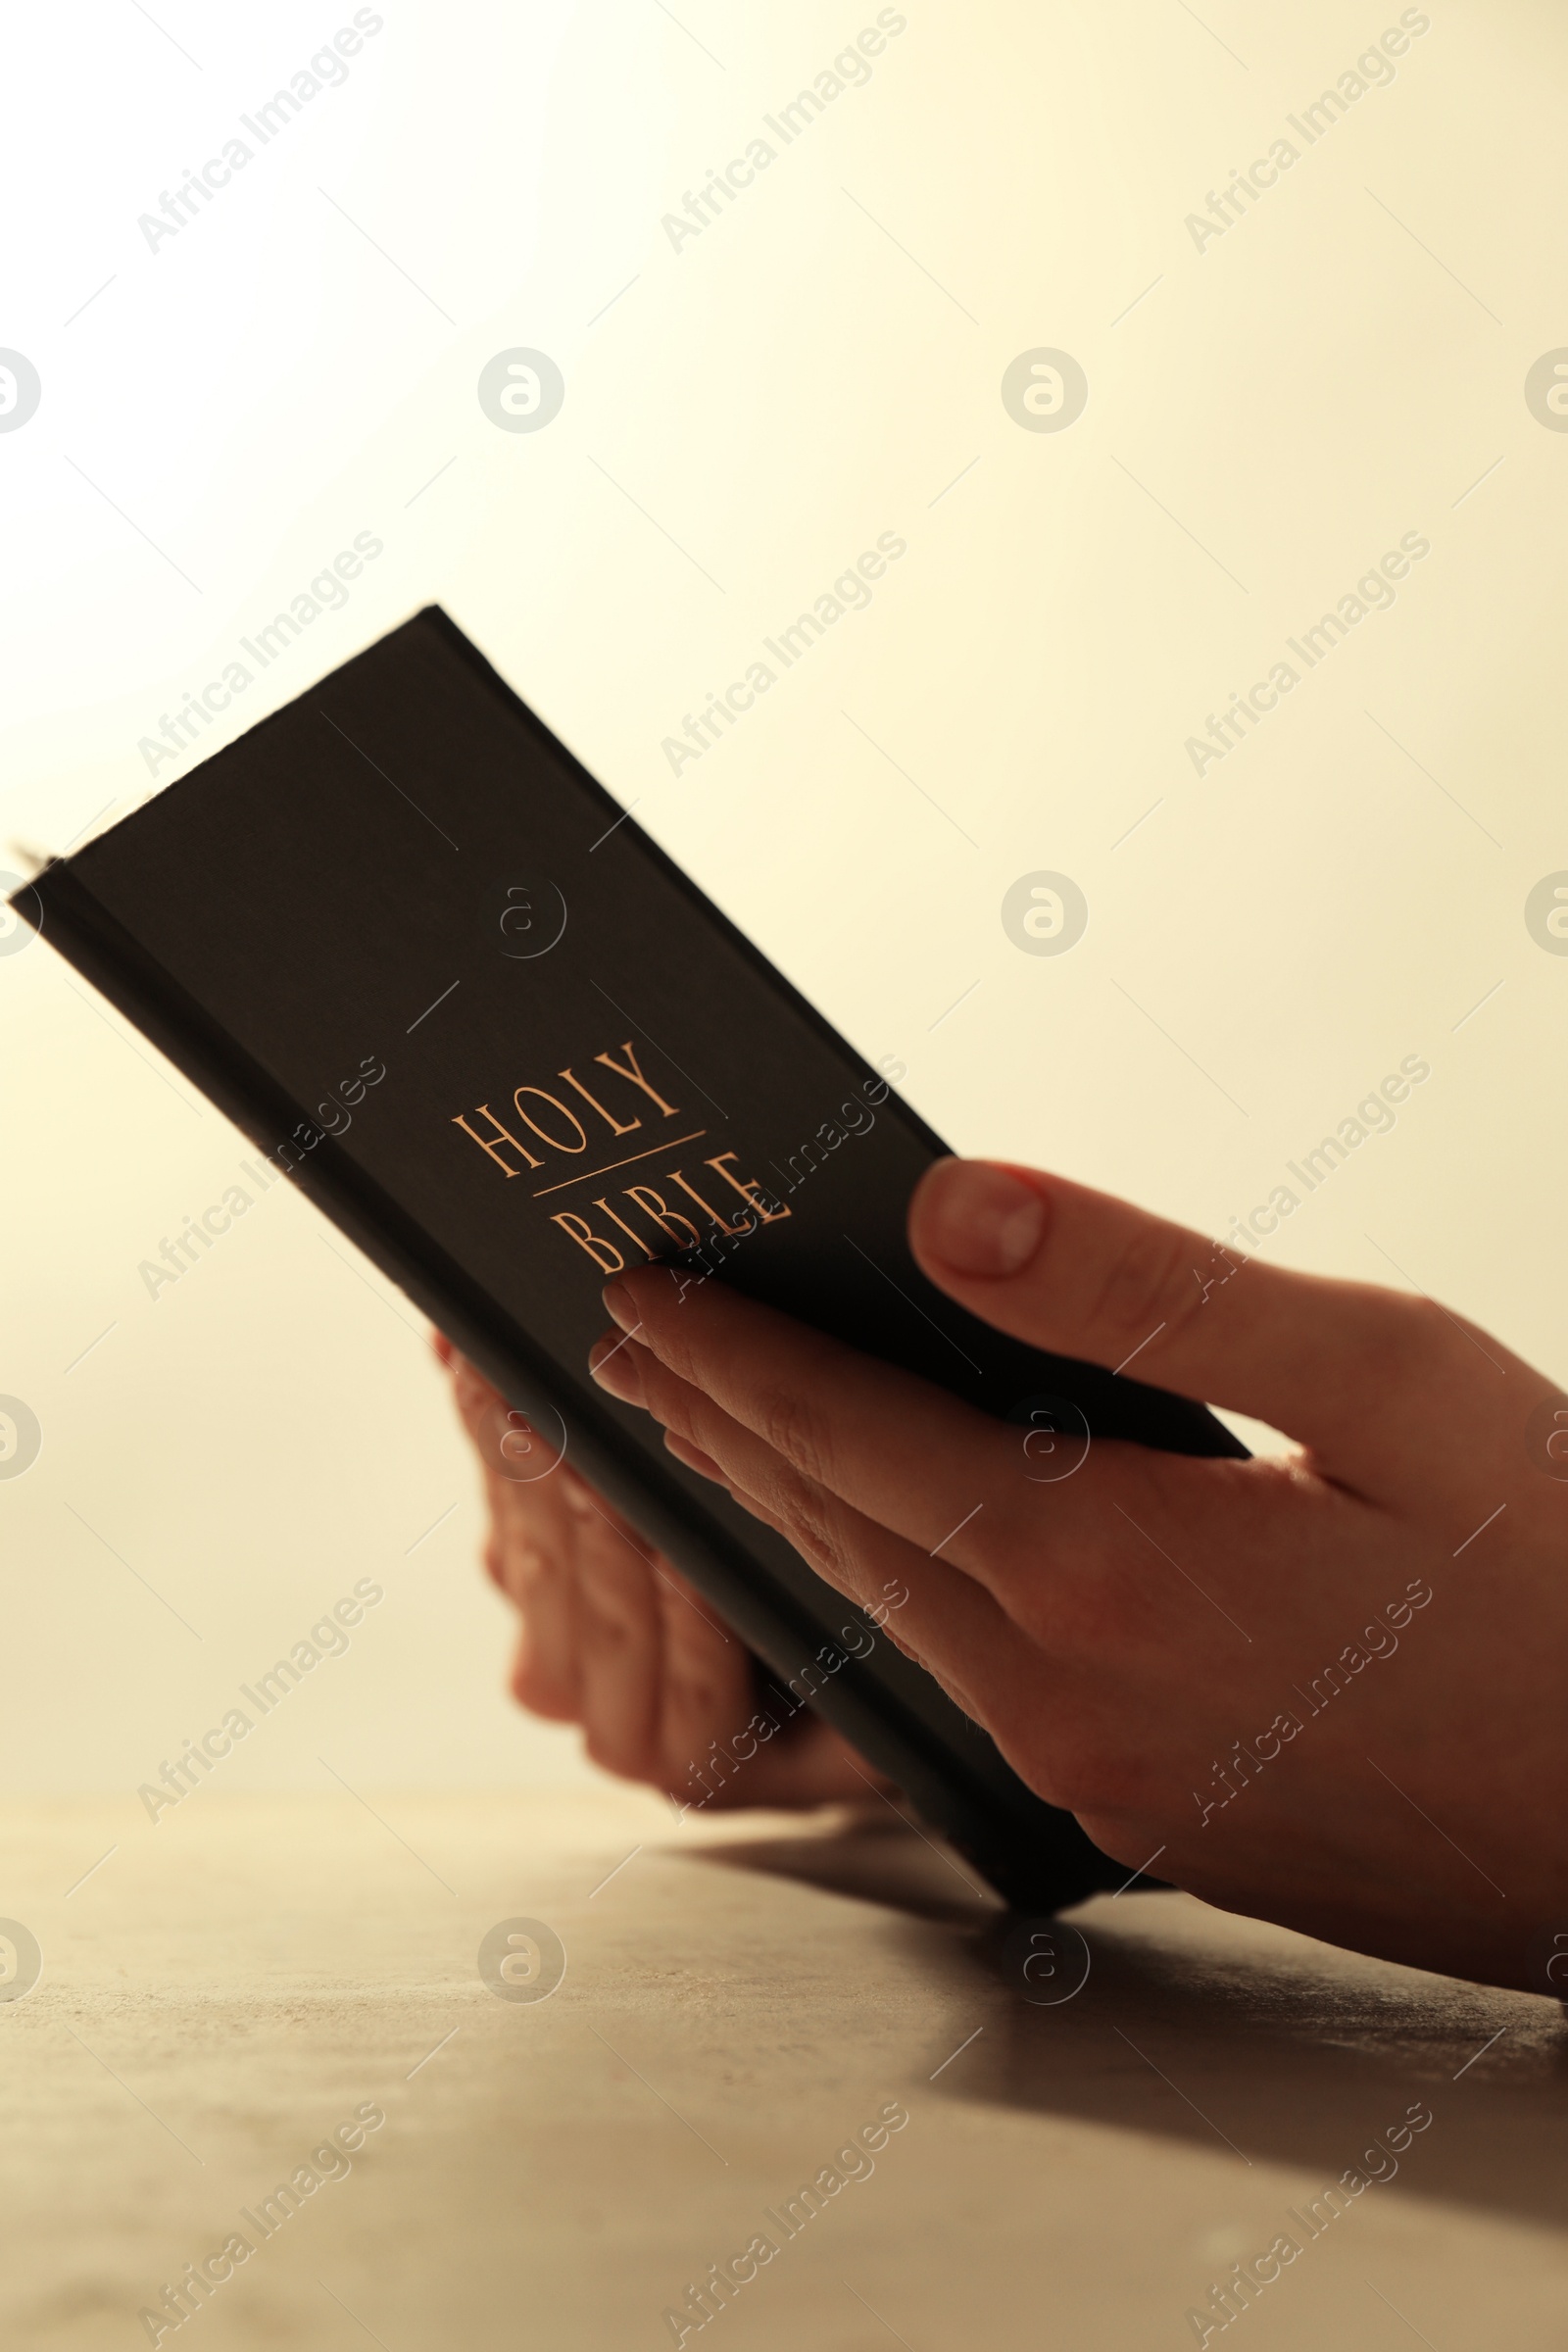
point(410, 947)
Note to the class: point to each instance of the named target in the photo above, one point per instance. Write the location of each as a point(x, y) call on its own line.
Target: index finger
point(893, 1446)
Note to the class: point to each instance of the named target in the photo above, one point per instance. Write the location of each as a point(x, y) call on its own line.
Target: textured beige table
point(740, 1998)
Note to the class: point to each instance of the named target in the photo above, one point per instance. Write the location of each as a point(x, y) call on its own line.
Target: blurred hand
point(1331, 1692)
point(615, 1639)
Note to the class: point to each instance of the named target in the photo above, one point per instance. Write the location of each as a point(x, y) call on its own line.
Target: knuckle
point(1418, 1334)
point(525, 1566)
point(615, 1588)
point(1401, 1339)
point(809, 1524)
point(794, 1428)
point(539, 1691)
point(617, 1624)
point(529, 1688)
point(578, 1495)
point(1147, 1283)
point(616, 1750)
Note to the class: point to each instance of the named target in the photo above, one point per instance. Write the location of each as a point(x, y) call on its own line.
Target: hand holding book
point(1196, 1657)
point(615, 1639)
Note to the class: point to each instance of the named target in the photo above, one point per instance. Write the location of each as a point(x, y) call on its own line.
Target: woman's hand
point(614, 1639)
point(1331, 1692)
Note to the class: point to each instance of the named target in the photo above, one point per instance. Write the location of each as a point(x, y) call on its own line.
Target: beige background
point(743, 416)
point(820, 365)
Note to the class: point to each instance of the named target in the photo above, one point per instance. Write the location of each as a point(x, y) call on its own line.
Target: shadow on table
point(874, 1856)
point(1221, 2034)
